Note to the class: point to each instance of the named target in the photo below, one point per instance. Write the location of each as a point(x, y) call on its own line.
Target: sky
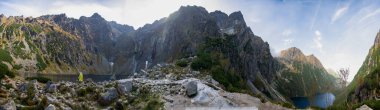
point(338, 32)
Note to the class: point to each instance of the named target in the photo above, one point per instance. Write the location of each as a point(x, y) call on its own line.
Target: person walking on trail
point(80, 78)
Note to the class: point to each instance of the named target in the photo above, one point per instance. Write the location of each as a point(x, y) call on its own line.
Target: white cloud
point(339, 13)
point(130, 12)
point(369, 15)
point(315, 14)
point(287, 32)
point(317, 41)
point(288, 41)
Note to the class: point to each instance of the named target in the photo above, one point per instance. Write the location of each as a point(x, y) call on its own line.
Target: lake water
point(323, 100)
point(74, 78)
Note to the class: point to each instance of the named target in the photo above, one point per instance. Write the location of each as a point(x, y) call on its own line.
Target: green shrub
point(182, 63)
point(17, 67)
point(5, 71)
point(82, 92)
point(287, 105)
point(39, 79)
point(337, 107)
point(7, 86)
point(4, 56)
point(232, 82)
point(154, 105)
point(40, 63)
point(202, 62)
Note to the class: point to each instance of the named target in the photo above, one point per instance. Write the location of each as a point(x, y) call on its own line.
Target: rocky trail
point(162, 87)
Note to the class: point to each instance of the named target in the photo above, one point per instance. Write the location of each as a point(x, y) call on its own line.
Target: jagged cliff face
point(181, 34)
point(166, 40)
point(365, 86)
point(302, 75)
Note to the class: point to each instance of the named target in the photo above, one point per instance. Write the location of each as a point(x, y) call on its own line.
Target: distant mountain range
point(57, 44)
point(303, 75)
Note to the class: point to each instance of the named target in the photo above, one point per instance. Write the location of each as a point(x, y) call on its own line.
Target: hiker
point(80, 78)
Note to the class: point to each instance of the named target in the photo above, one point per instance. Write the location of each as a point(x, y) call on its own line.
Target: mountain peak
point(237, 14)
point(96, 16)
point(377, 40)
point(313, 60)
point(292, 53)
point(191, 8)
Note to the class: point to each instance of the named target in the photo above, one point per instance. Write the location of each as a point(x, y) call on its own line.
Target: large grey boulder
point(11, 105)
point(191, 89)
point(51, 88)
point(108, 97)
point(124, 87)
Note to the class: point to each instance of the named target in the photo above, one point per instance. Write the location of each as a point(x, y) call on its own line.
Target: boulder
point(108, 97)
point(50, 107)
point(32, 85)
point(51, 88)
point(124, 87)
point(191, 89)
point(11, 105)
point(364, 107)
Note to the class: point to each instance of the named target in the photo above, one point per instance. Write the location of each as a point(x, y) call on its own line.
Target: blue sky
point(338, 32)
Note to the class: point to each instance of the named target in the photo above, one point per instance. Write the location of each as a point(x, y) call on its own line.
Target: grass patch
point(40, 63)
point(4, 71)
point(182, 63)
point(5, 56)
point(145, 100)
point(17, 67)
point(202, 62)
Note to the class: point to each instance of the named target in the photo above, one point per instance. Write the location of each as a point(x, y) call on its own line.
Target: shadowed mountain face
point(181, 34)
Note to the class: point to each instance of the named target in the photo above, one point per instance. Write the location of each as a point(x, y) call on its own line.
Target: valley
point(192, 58)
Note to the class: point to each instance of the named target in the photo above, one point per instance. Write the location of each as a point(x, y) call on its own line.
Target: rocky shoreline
point(162, 87)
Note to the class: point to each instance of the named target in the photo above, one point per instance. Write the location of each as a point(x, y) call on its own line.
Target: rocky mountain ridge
point(222, 44)
point(302, 75)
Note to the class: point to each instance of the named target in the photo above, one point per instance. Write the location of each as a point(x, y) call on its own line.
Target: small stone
point(52, 88)
point(50, 107)
point(191, 89)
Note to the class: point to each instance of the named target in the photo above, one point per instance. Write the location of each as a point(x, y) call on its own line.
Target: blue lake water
point(323, 100)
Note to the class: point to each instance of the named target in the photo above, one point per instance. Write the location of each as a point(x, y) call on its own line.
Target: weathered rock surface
point(124, 87)
point(10, 105)
point(50, 107)
point(364, 107)
point(109, 96)
point(191, 89)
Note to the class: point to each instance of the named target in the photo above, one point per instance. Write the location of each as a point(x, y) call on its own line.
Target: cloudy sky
point(338, 32)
